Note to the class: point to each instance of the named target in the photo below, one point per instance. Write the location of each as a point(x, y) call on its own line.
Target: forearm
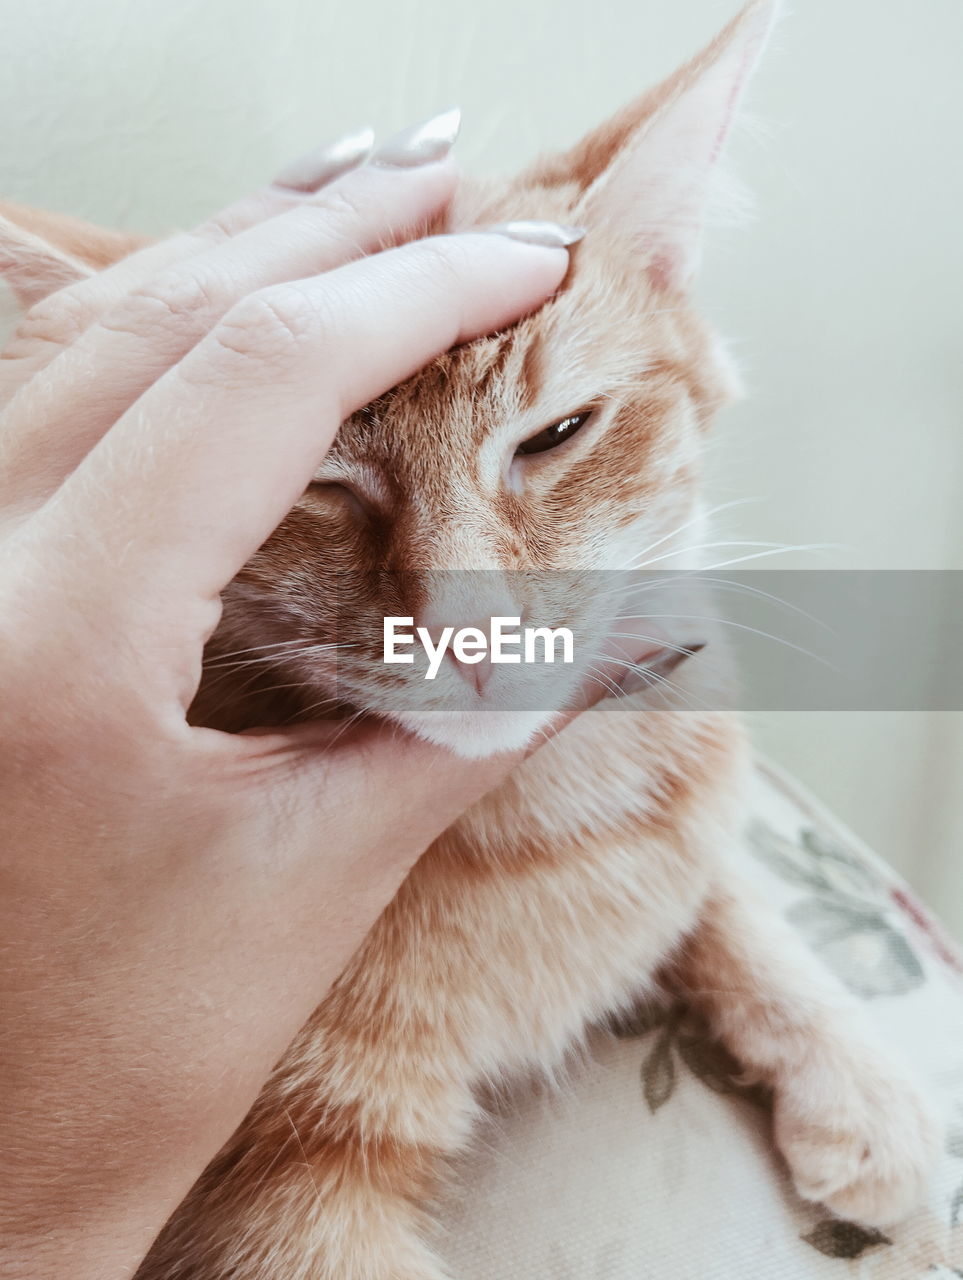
point(52, 1241)
point(84, 1192)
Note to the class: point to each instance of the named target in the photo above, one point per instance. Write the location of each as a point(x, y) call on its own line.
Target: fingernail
point(316, 168)
point(552, 235)
point(421, 143)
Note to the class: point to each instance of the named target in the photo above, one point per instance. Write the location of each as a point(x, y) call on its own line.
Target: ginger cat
point(602, 863)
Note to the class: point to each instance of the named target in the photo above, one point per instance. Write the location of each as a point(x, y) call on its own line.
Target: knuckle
point(334, 227)
point(182, 301)
point(443, 262)
point(223, 226)
point(340, 203)
point(57, 320)
point(272, 325)
point(215, 230)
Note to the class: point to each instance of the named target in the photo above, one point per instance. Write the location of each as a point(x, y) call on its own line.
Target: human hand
point(176, 901)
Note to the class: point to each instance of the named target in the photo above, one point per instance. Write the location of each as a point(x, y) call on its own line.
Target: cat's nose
point(476, 673)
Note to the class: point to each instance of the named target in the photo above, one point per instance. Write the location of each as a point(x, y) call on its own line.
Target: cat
point(600, 869)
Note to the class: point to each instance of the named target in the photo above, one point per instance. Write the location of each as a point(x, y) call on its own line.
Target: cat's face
point(458, 497)
point(507, 477)
point(454, 498)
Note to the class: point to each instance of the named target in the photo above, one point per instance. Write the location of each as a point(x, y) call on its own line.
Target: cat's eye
point(556, 434)
point(339, 495)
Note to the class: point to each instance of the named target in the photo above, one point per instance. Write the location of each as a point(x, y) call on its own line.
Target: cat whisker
point(348, 724)
point(725, 584)
point(699, 515)
point(602, 678)
point(606, 681)
point(722, 584)
point(222, 662)
point(759, 555)
point(734, 542)
point(277, 688)
point(651, 688)
point(328, 701)
point(549, 740)
point(260, 648)
point(740, 626)
point(674, 687)
point(228, 670)
point(663, 644)
point(612, 691)
point(641, 669)
point(774, 549)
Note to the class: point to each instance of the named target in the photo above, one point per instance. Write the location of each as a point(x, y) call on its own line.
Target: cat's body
point(525, 923)
point(601, 868)
point(556, 901)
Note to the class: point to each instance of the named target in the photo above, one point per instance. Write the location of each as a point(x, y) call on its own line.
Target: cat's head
point(506, 476)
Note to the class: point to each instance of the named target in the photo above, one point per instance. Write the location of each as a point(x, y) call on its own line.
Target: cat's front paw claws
point(866, 1149)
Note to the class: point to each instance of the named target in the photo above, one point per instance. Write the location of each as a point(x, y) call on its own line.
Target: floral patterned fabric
point(651, 1159)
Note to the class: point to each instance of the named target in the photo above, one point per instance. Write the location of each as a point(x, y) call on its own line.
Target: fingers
point(59, 319)
point(147, 331)
point(225, 443)
point(51, 326)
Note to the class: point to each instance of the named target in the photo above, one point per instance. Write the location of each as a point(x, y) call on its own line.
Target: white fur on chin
point(474, 735)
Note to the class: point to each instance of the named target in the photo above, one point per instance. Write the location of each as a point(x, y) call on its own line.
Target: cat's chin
point(476, 734)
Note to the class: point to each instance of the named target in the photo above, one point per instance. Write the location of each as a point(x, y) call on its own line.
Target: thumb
point(383, 787)
point(380, 786)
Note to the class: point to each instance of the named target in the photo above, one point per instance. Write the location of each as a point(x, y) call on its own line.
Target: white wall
point(842, 298)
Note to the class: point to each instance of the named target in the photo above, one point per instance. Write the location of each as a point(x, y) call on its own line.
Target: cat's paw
point(865, 1146)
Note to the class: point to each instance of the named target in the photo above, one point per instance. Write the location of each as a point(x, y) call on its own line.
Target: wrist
point(48, 1242)
point(85, 1197)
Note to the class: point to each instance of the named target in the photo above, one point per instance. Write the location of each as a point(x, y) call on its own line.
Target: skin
point(174, 902)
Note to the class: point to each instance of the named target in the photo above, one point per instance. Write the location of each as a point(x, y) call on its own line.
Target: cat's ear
point(42, 252)
point(646, 172)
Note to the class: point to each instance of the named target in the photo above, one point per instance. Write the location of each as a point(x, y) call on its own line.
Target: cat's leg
point(509, 937)
point(298, 1197)
point(850, 1120)
point(470, 973)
